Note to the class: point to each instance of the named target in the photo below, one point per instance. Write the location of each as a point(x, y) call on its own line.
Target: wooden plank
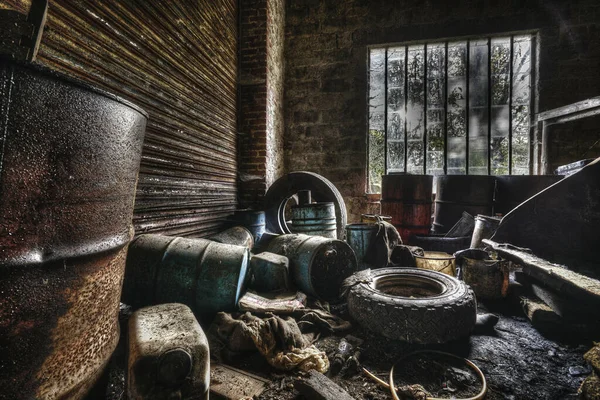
point(569, 109)
point(319, 387)
point(231, 383)
point(557, 277)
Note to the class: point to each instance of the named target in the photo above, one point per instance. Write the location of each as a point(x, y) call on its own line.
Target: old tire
point(413, 305)
point(288, 185)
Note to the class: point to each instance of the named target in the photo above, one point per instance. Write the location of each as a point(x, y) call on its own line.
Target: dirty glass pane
point(395, 127)
point(436, 99)
point(478, 107)
point(415, 157)
point(416, 92)
point(376, 102)
point(522, 54)
point(396, 156)
point(499, 141)
point(456, 112)
point(520, 139)
point(521, 89)
point(500, 69)
point(456, 156)
point(396, 67)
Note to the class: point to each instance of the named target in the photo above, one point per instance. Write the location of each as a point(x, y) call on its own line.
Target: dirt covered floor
point(517, 361)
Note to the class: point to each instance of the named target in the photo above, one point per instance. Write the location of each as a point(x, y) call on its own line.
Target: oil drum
point(69, 160)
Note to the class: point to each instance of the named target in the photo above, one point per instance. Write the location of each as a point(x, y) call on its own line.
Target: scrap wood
point(232, 383)
point(318, 387)
point(556, 276)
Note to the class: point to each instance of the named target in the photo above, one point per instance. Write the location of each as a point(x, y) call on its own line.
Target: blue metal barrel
point(252, 220)
point(360, 237)
point(318, 265)
point(315, 219)
point(206, 275)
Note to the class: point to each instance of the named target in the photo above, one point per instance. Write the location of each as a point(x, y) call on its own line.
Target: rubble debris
point(269, 272)
point(288, 186)
point(233, 384)
point(237, 235)
point(278, 339)
point(593, 357)
point(317, 386)
point(590, 388)
point(412, 305)
point(168, 354)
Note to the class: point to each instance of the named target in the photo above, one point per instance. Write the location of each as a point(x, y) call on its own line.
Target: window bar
point(467, 70)
point(425, 108)
point(385, 107)
point(510, 96)
point(446, 108)
point(489, 159)
point(405, 109)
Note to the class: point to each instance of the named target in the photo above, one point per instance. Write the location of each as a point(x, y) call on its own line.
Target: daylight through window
point(455, 107)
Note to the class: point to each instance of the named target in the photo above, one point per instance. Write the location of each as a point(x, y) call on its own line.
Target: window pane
point(522, 54)
point(478, 107)
point(500, 69)
point(396, 156)
point(436, 100)
point(499, 140)
point(415, 117)
point(520, 140)
point(376, 118)
point(456, 111)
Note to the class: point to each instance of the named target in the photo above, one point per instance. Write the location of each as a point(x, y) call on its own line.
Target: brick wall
point(261, 98)
point(325, 76)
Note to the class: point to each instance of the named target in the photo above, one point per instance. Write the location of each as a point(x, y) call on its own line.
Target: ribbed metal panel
point(178, 61)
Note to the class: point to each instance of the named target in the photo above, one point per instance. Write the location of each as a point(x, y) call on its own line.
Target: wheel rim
point(409, 286)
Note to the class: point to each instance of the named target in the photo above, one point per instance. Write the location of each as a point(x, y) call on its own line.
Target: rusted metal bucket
point(407, 198)
point(314, 219)
point(485, 227)
point(437, 261)
point(318, 265)
point(360, 237)
point(69, 159)
point(488, 278)
point(205, 275)
point(458, 193)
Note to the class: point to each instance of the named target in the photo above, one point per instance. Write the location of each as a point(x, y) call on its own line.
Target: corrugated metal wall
point(177, 60)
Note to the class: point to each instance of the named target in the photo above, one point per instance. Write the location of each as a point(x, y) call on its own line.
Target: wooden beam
point(574, 108)
point(319, 387)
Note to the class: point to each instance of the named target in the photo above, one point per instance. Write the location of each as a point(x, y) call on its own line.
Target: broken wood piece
point(231, 383)
point(319, 387)
point(555, 276)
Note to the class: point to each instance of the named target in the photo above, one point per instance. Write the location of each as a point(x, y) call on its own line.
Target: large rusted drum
point(69, 159)
point(314, 219)
point(407, 198)
point(512, 190)
point(458, 193)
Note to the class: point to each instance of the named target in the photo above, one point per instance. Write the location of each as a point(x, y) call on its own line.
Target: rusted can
point(314, 219)
point(69, 159)
point(205, 275)
point(168, 355)
point(237, 235)
point(488, 278)
point(485, 227)
point(318, 265)
point(458, 193)
point(408, 199)
point(360, 237)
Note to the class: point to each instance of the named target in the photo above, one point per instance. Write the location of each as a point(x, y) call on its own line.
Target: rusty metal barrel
point(318, 265)
point(407, 198)
point(69, 159)
point(458, 193)
point(360, 237)
point(314, 219)
point(512, 190)
point(252, 220)
point(205, 275)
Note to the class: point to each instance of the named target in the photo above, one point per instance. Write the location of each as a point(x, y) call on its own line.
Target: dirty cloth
point(310, 315)
point(379, 252)
point(278, 339)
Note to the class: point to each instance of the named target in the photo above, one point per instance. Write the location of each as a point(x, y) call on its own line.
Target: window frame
point(533, 145)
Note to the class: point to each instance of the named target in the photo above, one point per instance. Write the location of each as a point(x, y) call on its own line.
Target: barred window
point(451, 107)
